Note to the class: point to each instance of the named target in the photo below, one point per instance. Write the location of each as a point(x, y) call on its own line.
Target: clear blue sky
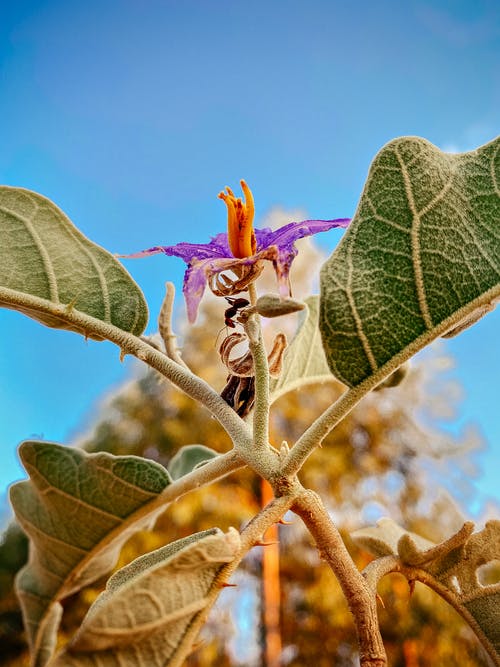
point(132, 115)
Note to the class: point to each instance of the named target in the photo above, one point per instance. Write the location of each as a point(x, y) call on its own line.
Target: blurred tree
point(387, 458)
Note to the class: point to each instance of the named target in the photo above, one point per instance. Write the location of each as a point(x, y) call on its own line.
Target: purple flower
point(240, 251)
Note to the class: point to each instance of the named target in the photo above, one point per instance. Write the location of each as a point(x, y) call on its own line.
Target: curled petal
point(275, 358)
point(243, 366)
point(223, 285)
point(240, 366)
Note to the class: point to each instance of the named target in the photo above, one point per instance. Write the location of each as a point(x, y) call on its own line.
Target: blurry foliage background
point(389, 457)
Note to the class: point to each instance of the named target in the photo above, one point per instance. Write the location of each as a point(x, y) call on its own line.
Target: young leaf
point(76, 509)
point(188, 458)
point(450, 568)
point(420, 259)
point(304, 361)
point(46, 262)
point(142, 616)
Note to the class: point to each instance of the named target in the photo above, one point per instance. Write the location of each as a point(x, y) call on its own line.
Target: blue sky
point(132, 115)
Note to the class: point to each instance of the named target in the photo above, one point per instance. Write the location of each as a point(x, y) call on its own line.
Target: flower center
point(240, 233)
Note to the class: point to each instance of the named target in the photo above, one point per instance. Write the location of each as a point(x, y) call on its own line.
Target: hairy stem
point(250, 536)
point(380, 567)
point(165, 325)
point(261, 368)
point(361, 600)
point(319, 429)
point(191, 384)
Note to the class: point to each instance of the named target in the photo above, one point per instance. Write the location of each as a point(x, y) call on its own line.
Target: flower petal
point(284, 240)
point(285, 236)
point(189, 252)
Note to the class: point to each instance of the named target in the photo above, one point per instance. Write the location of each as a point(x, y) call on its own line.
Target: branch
point(165, 326)
point(261, 369)
point(380, 567)
point(192, 385)
point(321, 427)
point(361, 600)
point(250, 536)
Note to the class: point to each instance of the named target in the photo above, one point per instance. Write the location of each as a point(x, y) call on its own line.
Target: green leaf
point(46, 262)
point(188, 458)
point(143, 615)
point(420, 259)
point(78, 509)
point(304, 361)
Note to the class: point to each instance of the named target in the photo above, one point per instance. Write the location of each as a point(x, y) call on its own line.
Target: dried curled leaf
point(143, 615)
point(450, 568)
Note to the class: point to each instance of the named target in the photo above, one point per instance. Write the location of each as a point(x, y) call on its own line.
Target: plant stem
point(250, 536)
point(191, 384)
point(261, 369)
point(165, 326)
point(380, 567)
point(361, 600)
point(319, 429)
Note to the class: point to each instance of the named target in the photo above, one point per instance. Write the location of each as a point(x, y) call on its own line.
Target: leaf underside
point(304, 360)
point(45, 257)
point(143, 615)
point(74, 509)
point(421, 257)
point(188, 458)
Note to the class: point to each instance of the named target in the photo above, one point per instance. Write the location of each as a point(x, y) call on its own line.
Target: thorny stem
point(261, 368)
point(360, 598)
point(380, 567)
point(250, 536)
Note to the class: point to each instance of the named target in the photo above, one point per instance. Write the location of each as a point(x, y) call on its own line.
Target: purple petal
point(208, 259)
point(286, 235)
point(284, 239)
point(218, 247)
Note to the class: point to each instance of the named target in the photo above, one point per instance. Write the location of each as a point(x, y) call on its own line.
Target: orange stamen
point(232, 222)
point(247, 235)
point(241, 235)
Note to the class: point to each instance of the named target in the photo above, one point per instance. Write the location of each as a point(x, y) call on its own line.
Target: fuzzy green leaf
point(304, 361)
point(421, 258)
point(46, 262)
point(142, 617)
point(188, 458)
point(78, 509)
